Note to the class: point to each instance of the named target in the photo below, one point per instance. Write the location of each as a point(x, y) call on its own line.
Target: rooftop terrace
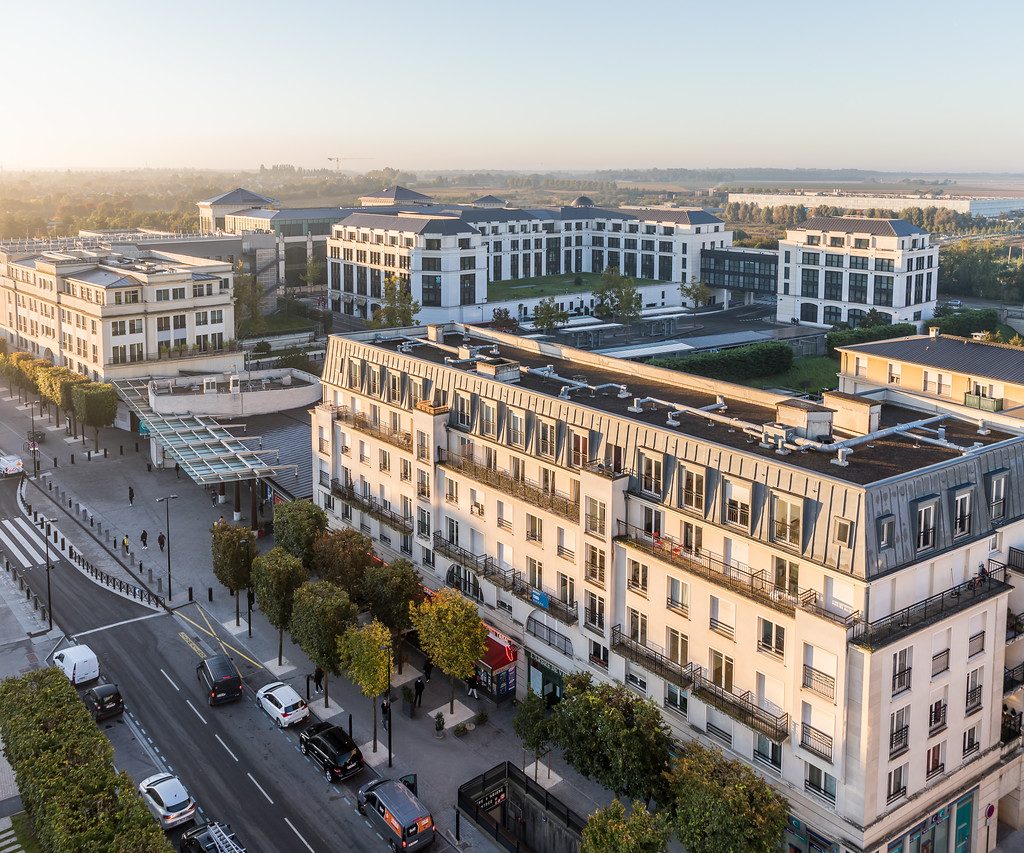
point(737, 425)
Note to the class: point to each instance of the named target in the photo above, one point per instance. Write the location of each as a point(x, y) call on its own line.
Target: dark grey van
point(402, 819)
point(220, 678)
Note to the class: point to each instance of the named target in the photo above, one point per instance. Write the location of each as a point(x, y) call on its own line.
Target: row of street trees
point(607, 732)
point(91, 404)
point(321, 615)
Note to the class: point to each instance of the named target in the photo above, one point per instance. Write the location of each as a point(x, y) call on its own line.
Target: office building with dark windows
point(744, 274)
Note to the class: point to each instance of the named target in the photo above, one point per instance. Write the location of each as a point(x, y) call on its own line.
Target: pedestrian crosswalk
point(22, 543)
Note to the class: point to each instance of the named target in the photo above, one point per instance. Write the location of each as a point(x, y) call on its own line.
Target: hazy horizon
point(886, 87)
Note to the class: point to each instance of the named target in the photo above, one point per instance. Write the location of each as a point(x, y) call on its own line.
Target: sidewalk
point(441, 765)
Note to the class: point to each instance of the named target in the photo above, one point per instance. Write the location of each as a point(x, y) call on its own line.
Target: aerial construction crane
point(346, 157)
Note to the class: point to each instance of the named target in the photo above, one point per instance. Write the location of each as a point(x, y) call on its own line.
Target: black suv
point(220, 678)
point(202, 839)
point(332, 750)
point(104, 701)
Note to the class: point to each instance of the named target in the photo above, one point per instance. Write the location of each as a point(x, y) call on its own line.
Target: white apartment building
point(118, 311)
point(834, 269)
point(448, 254)
point(819, 590)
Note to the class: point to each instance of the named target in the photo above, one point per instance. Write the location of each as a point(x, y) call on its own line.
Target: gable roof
point(294, 213)
point(861, 225)
point(239, 196)
point(489, 199)
point(409, 224)
point(398, 193)
point(1001, 362)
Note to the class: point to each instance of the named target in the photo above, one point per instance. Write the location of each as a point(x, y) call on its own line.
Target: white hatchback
point(282, 703)
point(168, 800)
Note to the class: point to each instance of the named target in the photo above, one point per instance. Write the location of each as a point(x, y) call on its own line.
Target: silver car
point(168, 800)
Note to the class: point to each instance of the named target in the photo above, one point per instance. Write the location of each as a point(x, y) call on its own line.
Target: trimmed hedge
point(763, 359)
point(77, 801)
point(864, 334)
point(963, 323)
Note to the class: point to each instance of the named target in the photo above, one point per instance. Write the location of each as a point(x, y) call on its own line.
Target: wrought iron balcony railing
point(563, 612)
point(526, 490)
point(899, 741)
point(1012, 678)
point(651, 659)
point(740, 706)
point(889, 629)
point(359, 421)
point(819, 682)
point(816, 741)
point(372, 507)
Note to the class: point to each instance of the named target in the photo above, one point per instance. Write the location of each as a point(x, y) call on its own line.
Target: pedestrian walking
point(161, 540)
point(385, 713)
point(131, 496)
point(221, 520)
point(213, 497)
point(145, 540)
point(420, 685)
point(471, 683)
point(428, 668)
point(318, 679)
point(177, 471)
point(124, 544)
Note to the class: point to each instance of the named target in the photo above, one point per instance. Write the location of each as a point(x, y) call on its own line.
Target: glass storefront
point(947, 830)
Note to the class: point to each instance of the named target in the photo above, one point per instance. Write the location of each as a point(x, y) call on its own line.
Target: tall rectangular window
point(786, 515)
point(693, 490)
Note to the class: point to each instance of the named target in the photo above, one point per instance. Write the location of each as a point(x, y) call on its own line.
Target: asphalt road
point(235, 762)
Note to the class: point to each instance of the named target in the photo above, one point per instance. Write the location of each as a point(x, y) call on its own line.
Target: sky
point(525, 85)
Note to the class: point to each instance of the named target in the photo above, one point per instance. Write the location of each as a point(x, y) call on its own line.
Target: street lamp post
point(391, 716)
point(166, 501)
point(49, 598)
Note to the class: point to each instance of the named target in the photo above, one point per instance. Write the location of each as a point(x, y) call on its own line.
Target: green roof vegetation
point(811, 374)
point(541, 285)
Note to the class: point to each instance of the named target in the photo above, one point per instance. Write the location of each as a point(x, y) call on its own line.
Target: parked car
point(955, 304)
point(332, 750)
point(10, 465)
point(167, 799)
point(209, 838)
point(78, 663)
point(104, 701)
point(221, 679)
point(282, 703)
point(401, 818)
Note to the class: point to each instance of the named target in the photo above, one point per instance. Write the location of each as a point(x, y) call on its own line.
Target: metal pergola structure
point(207, 451)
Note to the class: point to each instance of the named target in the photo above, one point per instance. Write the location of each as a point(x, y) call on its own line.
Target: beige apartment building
point(120, 311)
point(820, 590)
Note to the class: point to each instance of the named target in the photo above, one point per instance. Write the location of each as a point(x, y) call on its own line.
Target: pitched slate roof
point(238, 196)
point(409, 224)
point(862, 225)
point(294, 213)
point(1001, 362)
point(398, 193)
point(489, 199)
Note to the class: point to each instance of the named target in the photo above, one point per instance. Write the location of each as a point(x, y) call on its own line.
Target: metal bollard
point(105, 455)
point(35, 517)
point(458, 825)
point(190, 593)
point(35, 602)
point(151, 576)
point(159, 586)
point(350, 727)
point(136, 447)
point(209, 593)
point(54, 461)
point(88, 456)
point(72, 458)
point(49, 483)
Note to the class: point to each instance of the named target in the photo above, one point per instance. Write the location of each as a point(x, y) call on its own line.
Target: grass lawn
point(810, 375)
point(540, 285)
point(284, 322)
point(25, 833)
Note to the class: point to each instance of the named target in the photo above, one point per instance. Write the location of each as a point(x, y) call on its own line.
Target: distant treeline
point(937, 220)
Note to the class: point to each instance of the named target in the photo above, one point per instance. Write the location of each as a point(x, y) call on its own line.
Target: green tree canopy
point(397, 308)
point(315, 267)
point(503, 321)
point(547, 316)
point(533, 726)
point(233, 549)
point(365, 655)
point(275, 577)
point(248, 298)
point(698, 292)
point(297, 525)
point(609, 733)
point(451, 633)
point(343, 556)
point(320, 615)
point(617, 298)
point(51, 382)
point(717, 803)
point(611, 830)
point(95, 405)
point(389, 589)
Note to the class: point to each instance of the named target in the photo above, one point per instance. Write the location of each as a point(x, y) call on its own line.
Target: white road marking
point(193, 707)
point(12, 549)
point(226, 747)
point(118, 624)
point(303, 840)
point(165, 675)
point(347, 800)
point(35, 536)
point(265, 794)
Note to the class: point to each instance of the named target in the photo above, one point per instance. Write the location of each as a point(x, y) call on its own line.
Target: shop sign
point(492, 798)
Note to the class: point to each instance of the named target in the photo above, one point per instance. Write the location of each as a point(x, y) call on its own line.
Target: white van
point(78, 663)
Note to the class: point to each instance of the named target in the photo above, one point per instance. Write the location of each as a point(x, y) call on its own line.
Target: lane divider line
point(265, 794)
point(193, 707)
point(118, 625)
point(228, 748)
point(303, 840)
point(165, 675)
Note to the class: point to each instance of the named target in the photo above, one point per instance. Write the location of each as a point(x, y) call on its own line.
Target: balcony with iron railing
point(604, 469)
point(733, 576)
point(722, 628)
point(972, 701)
point(901, 681)
point(359, 421)
point(372, 507)
point(526, 490)
point(593, 619)
point(678, 606)
point(564, 612)
point(899, 741)
point(889, 629)
point(1014, 626)
point(824, 793)
point(652, 659)
point(1013, 678)
point(481, 564)
point(819, 682)
point(937, 718)
point(786, 533)
point(740, 706)
point(816, 742)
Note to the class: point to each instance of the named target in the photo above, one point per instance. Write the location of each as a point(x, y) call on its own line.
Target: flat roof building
point(820, 589)
point(854, 202)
